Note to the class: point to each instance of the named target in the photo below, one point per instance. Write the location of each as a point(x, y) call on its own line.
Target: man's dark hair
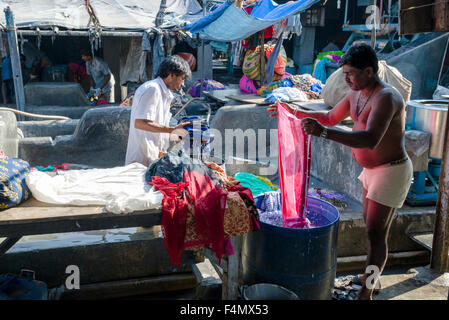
point(174, 64)
point(85, 52)
point(360, 55)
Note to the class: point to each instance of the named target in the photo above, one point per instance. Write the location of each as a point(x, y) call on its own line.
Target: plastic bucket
point(267, 291)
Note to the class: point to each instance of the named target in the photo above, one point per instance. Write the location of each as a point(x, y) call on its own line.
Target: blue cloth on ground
point(316, 87)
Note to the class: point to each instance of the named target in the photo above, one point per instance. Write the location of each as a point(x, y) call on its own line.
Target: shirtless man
point(377, 144)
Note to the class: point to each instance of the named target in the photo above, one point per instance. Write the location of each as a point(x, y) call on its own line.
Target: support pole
point(373, 30)
point(202, 53)
point(439, 259)
point(15, 61)
point(262, 56)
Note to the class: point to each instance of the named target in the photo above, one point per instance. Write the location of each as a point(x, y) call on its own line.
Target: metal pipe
point(15, 60)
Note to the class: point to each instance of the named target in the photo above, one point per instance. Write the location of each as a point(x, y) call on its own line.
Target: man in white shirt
point(150, 112)
point(101, 78)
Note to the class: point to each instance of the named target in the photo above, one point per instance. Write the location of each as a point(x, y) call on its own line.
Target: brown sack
point(336, 88)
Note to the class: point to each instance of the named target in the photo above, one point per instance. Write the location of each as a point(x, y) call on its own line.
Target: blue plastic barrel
point(302, 260)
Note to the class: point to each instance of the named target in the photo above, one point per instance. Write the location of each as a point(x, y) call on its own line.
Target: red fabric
point(294, 168)
point(268, 32)
point(174, 215)
point(64, 166)
point(210, 204)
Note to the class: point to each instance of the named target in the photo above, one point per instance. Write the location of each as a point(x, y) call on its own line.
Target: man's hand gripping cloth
point(294, 168)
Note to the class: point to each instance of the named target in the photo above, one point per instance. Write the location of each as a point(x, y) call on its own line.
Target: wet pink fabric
point(294, 168)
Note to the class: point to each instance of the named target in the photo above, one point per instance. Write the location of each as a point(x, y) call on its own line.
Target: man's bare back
point(391, 146)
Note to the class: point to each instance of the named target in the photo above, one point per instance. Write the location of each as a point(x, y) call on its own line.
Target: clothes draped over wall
point(201, 206)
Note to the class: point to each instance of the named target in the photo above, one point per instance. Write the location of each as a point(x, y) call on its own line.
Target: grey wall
point(421, 66)
point(100, 140)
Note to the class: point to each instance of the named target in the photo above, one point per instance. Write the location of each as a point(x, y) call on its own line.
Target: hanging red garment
point(210, 203)
point(174, 216)
point(294, 168)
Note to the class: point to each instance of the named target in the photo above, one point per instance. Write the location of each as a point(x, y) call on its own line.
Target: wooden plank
point(253, 99)
point(7, 243)
point(232, 278)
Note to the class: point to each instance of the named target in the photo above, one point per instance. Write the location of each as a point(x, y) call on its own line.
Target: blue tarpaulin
point(229, 23)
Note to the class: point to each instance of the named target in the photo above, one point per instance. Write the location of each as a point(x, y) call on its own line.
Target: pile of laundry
point(202, 206)
point(323, 60)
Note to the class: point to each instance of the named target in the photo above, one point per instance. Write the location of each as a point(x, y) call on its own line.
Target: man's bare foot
point(362, 279)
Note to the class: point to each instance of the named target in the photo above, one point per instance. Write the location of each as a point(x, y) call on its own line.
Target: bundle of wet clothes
point(202, 206)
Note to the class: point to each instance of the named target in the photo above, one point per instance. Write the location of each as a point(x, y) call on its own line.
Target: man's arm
point(151, 126)
point(379, 119)
point(326, 118)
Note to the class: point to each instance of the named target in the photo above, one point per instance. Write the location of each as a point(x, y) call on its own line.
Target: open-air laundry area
point(224, 150)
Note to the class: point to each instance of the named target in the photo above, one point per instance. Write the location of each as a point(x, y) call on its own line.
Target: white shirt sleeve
point(147, 107)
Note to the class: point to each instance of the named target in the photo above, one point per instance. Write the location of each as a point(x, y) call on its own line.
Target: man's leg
point(378, 221)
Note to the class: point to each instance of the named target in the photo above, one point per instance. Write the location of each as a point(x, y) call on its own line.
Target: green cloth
point(251, 182)
point(46, 169)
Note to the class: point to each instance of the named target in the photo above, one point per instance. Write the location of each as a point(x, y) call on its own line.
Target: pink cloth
point(294, 168)
point(247, 85)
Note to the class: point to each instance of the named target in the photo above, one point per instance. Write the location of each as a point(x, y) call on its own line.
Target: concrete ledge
point(99, 140)
point(139, 258)
point(48, 128)
point(394, 259)
point(352, 238)
point(55, 93)
point(131, 287)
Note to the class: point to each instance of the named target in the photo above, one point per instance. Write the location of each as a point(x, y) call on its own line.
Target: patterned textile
point(13, 188)
point(251, 63)
point(305, 82)
point(236, 222)
point(228, 181)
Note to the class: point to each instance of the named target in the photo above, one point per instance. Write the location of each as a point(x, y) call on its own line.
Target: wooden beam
point(262, 57)
point(439, 259)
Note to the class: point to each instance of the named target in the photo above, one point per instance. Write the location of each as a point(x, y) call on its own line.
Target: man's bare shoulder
point(390, 92)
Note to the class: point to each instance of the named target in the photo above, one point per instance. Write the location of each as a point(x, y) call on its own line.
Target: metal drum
point(301, 260)
point(430, 116)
